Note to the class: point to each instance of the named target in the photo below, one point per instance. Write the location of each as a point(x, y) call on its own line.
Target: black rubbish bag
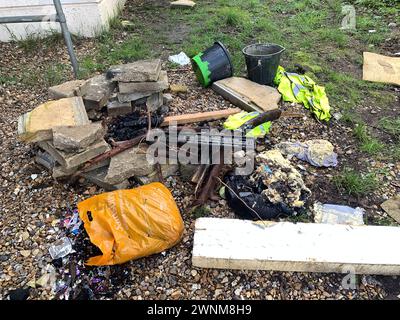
point(250, 197)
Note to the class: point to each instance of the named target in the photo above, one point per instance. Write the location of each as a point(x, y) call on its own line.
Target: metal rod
point(67, 36)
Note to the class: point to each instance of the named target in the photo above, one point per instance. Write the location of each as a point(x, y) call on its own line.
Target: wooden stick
point(200, 116)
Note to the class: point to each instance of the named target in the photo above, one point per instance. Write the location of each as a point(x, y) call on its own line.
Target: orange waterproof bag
point(130, 224)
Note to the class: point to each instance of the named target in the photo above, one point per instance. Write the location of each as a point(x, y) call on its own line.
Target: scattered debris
point(317, 152)
point(245, 199)
point(183, 4)
point(283, 184)
point(150, 212)
point(181, 58)
point(338, 214)
point(176, 88)
point(61, 248)
point(392, 208)
point(300, 247)
point(19, 294)
point(380, 68)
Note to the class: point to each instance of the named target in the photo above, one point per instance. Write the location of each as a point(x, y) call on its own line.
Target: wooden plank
point(235, 98)
point(265, 97)
point(285, 246)
point(200, 116)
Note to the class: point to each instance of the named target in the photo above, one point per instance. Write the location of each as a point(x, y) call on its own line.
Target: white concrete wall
point(84, 17)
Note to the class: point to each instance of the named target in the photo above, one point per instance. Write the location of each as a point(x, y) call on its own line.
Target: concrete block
point(37, 125)
point(138, 71)
point(97, 92)
point(77, 138)
point(70, 160)
point(155, 86)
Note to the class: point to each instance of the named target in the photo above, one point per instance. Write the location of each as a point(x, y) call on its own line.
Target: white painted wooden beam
point(286, 246)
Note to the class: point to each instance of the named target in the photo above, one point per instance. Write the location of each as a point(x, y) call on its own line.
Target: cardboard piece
point(379, 68)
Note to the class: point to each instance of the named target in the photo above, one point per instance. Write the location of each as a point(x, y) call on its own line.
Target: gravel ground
point(33, 204)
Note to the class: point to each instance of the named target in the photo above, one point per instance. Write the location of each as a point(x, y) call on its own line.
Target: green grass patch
point(355, 183)
point(391, 125)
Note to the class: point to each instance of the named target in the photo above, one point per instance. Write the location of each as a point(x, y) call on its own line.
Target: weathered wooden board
point(200, 116)
point(248, 94)
point(285, 246)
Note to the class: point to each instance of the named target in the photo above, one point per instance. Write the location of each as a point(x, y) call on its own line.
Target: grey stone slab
point(45, 160)
point(131, 162)
point(167, 170)
point(70, 160)
point(155, 86)
point(138, 71)
point(66, 90)
point(98, 176)
point(155, 101)
point(97, 92)
point(392, 208)
point(61, 172)
point(77, 138)
point(128, 97)
point(116, 108)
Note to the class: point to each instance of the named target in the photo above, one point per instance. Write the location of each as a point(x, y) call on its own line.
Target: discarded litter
point(302, 89)
point(212, 64)
point(338, 214)
point(283, 184)
point(380, 68)
point(262, 61)
point(245, 199)
point(130, 224)
point(61, 248)
point(181, 58)
point(73, 223)
point(317, 152)
point(238, 120)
